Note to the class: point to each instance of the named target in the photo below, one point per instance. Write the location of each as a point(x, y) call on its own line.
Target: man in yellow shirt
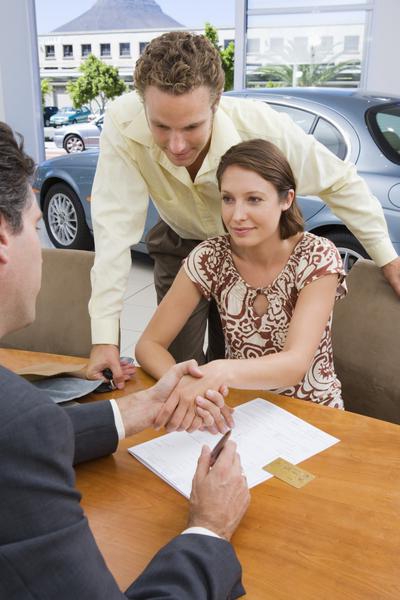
point(165, 141)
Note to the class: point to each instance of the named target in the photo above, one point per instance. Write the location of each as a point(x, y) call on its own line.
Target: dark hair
point(16, 170)
point(265, 159)
point(178, 62)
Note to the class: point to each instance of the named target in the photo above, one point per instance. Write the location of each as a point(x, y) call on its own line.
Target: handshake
point(220, 494)
point(195, 401)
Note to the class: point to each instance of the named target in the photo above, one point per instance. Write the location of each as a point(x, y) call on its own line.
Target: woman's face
point(251, 207)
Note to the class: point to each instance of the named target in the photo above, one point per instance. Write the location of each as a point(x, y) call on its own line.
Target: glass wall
point(305, 42)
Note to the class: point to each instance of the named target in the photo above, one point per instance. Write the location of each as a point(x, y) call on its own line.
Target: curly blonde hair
point(178, 62)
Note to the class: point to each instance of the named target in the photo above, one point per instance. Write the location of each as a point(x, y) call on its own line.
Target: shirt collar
point(224, 135)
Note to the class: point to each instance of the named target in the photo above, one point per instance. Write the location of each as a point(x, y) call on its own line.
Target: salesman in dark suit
point(47, 550)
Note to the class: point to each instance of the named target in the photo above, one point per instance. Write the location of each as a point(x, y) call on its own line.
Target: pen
point(216, 451)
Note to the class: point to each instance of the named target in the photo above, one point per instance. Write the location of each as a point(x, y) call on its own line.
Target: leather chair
point(366, 344)
point(62, 324)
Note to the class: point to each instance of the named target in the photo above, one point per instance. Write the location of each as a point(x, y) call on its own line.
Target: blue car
point(70, 116)
point(355, 125)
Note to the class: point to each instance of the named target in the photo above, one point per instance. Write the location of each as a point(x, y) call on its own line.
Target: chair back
point(62, 324)
point(366, 344)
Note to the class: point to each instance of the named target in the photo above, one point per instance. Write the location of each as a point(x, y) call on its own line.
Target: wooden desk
point(338, 538)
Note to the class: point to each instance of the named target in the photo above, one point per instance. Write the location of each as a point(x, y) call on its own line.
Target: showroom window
point(319, 43)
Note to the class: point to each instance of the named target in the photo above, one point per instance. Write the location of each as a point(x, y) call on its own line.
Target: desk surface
point(336, 538)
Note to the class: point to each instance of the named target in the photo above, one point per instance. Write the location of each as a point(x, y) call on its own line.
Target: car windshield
point(66, 110)
point(384, 125)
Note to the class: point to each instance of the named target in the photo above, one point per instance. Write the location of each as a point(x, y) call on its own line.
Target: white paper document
point(263, 432)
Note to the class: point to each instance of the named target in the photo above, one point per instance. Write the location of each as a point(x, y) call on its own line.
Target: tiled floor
point(139, 300)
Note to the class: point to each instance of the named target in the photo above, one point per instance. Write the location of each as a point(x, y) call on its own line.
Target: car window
point(384, 125)
point(302, 118)
point(330, 137)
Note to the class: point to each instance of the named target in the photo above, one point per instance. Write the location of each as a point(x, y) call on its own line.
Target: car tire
point(74, 121)
point(65, 219)
point(349, 247)
point(73, 143)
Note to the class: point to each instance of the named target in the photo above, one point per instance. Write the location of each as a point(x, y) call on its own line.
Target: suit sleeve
point(198, 567)
point(94, 430)
point(46, 547)
point(47, 550)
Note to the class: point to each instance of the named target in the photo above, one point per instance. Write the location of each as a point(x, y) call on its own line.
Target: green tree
point(46, 88)
point(227, 54)
point(98, 83)
point(306, 74)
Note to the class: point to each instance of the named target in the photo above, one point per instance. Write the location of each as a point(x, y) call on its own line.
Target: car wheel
point(74, 121)
point(73, 143)
point(349, 247)
point(65, 219)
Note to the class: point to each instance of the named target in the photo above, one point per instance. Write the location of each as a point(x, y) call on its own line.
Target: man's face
point(25, 266)
point(181, 125)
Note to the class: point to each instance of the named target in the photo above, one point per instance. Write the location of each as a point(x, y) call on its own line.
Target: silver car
point(358, 126)
point(79, 137)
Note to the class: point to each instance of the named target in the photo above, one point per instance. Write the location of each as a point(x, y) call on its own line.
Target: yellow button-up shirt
point(132, 167)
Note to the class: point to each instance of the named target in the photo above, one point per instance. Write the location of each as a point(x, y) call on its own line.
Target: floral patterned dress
point(248, 335)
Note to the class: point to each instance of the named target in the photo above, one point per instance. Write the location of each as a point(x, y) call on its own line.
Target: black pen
point(216, 451)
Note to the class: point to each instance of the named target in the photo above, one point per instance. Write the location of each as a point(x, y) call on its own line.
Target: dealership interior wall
point(20, 99)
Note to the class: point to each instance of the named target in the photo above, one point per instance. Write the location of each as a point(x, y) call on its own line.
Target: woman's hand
point(193, 398)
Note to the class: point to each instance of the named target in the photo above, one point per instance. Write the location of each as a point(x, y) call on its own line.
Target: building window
point(142, 46)
point(49, 51)
point(326, 44)
point(125, 49)
point(351, 43)
point(86, 50)
point(227, 42)
point(300, 44)
point(68, 51)
point(105, 50)
point(276, 44)
point(253, 45)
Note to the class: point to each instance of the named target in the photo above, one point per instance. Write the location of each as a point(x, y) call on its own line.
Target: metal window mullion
point(240, 44)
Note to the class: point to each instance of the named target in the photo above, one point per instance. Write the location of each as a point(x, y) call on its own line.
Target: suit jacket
point(47, 551)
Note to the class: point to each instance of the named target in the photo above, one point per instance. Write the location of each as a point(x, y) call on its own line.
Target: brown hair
point(178, 62)
point(16, 170)
point(270, 163)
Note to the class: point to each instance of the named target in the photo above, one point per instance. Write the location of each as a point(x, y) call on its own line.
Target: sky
point(221, 13)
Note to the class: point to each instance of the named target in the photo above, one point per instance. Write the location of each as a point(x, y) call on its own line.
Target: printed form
point(263, 432)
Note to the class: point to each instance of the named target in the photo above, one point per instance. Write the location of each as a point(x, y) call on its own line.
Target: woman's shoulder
point(218, 245)
point(318, 245)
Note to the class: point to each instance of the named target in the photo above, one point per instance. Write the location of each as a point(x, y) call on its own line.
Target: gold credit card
point(291, 474)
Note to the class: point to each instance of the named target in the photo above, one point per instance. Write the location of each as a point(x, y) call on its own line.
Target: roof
point(112, 15)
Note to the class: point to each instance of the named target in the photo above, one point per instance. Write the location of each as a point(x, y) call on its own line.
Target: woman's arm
point(168, 320)
point(283, 369)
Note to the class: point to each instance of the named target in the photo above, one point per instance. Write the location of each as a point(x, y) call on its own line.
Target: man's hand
point(391, 272)
point(105, 356)
point(220, 495)
point(179, 412)
point(139, 410)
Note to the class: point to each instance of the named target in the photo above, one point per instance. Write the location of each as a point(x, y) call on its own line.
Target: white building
point(61, 54)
